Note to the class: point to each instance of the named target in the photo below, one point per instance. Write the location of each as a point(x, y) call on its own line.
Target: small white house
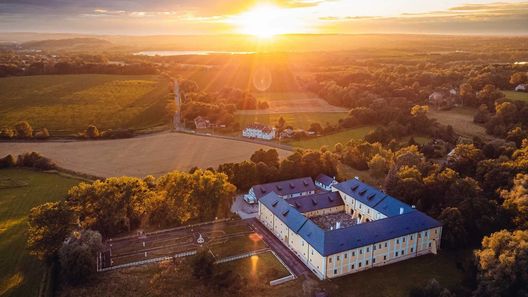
point(521, 88)
point(259, 131)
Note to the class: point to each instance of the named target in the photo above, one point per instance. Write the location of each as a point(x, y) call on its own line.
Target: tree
point(42, 134)
point(269, 157)
point(316, 128)
point(516, 200)
point(518, 78)
point(502, 263)
point(379, 166)
point(454, 233)
point(203, 265)
point(7, 162)
point(92, 132)
point(78, 256)
point(7, 133)
point(281, 124)
point(464, 158)
point(23, 130)
point(431, 289)
point(49, 225)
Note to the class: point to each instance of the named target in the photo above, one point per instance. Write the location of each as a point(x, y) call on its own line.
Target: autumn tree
point(454, 233)
point(92, 132)
point(77, 256)
point(23, 130)
point(49, 224)
point(464, 158)
point(379, 166)
point(502, 263)
point(516, 200)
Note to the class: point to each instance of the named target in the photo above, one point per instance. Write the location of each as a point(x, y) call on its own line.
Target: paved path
point(177, 115)
point(289, 258)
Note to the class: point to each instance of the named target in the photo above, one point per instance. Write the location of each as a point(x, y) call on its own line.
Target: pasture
point(154, 154)
point(296, 120)
point(512, 95)
point(292, 102)
point(330, 140)
point(20, 190)
point(67, 104)
point(461, 119)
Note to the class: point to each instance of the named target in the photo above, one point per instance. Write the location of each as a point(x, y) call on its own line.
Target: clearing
point(296, 120)
point(512, 95)
point(20, 190)
point(461, 119)
point(292, 102)
point(330, 140)
point(154, 154)
point(67, 104)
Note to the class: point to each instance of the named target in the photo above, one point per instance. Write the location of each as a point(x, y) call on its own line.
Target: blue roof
point(282, 210)
point(316, 201)
point(329, 242)
point(339, 240)
point(324, 179)
point(285, 187)
point(373, 198)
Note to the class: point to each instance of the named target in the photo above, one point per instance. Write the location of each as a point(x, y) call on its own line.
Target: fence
point(282, 280)
point(148, 261)
point(241, 256)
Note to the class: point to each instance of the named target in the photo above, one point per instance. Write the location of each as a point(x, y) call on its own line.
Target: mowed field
point(154, 154)
point(20, 190)
point(292, 102)
point(301, 120)
point(461, 119)
point(512, 95)
point(67, 104)
point(332, 139)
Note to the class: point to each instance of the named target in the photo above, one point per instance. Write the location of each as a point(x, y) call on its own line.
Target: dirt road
point(153, 154)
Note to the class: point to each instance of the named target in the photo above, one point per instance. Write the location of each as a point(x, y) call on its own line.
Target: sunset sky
point(264, 18)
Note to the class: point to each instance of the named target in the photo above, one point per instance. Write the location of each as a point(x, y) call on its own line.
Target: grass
point(461, 119)
point(296, 120)
point(67, 104)
point(21, 274)
point(330, 140)
point(237, 245)
point(259, 268)
point(512, 95)
point(396, 280)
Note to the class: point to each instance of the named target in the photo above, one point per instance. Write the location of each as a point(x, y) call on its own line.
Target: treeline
point(28, 160)
point(217, 107)
point(505, 119)
point(23, 130)
point(265, 166)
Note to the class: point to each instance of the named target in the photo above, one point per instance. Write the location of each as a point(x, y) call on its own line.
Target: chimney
point(401, 210)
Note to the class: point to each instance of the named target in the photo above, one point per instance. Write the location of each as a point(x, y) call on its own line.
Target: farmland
point(67, 104)
point(293, 102)
point(512, 95)
point(154, 154)
point(330, 140)
point(20, 190)
point(296, 120)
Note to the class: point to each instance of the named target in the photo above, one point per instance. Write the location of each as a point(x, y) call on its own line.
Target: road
point(177, 115)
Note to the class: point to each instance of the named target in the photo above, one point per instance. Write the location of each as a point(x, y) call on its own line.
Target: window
point(366, 262)
point(360, 251)
point(337, 258)
point(373, 260)
point(436, 231)
point(384, 258)
point(359, 265)
point(368, 249)
point(403, 253)
point(329, 260)
point(353, 254)
point(312, 252)
point(302, 243)
point(429, 244)
point(425, 233)
point(412, 250)
point(374, 247)
point(379, 246)
point(404, 239)
point(385, 244)
point(411, 237)
point(419, 235)
point(352, 266)
point(346, 255)
point(397, 241)
point(396, 254)
point(335, 271)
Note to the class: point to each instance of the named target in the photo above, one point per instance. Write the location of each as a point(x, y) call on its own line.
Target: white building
point(259, 131)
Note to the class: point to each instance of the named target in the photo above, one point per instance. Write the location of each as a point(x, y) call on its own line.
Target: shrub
point(115, 134)
point(7, 133)
point(42, 134)
point(92, 132)
point(7, 161)
point(35, 160)
point(23, 130)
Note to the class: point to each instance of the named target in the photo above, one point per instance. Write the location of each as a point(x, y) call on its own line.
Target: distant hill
point(69, 44)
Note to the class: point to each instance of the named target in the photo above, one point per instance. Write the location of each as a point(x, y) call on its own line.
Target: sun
point(266, 21)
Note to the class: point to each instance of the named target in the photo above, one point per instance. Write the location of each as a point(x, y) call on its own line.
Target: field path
point(154, 154)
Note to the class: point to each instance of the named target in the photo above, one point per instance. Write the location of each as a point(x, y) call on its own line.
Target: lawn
point(396, 280)
point(237, 245)
point(67, 104)
point(461, 119)
point(261, 268)
point(330, 140)
point(296, 120)
point(512, 95)
point(21, 274)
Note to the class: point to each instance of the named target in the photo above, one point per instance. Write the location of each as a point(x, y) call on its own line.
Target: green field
point(512, 95)
point(296, 120)
point(330, 140)
point(21, 274)
point(67, 104)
